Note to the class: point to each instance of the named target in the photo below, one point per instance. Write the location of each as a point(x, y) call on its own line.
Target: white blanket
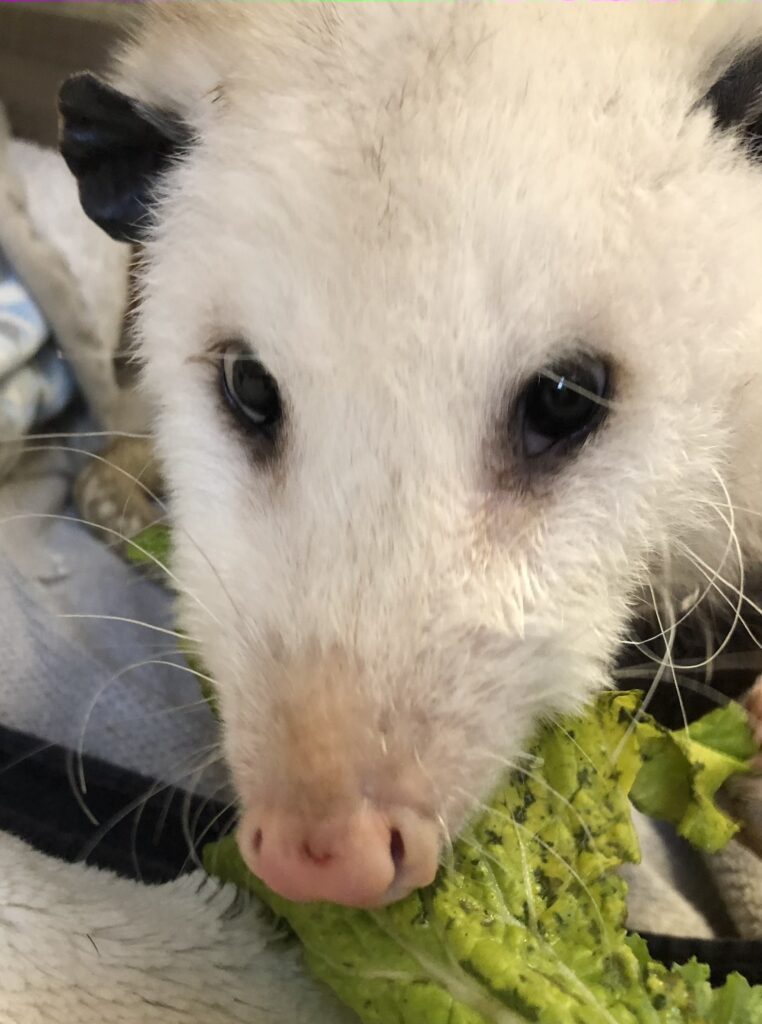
point(79, 946)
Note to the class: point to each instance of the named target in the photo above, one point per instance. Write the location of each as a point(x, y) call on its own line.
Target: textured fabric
point(80, 946)
point(34, 394)
point(74, 272)
point(75, 671)
point(23, 329)
point(35, 384)
point(739, 874)
point(131, 825)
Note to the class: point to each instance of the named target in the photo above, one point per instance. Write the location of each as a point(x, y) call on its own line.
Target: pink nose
point(366, 859)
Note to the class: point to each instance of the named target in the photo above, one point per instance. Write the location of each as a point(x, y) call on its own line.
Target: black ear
point(736, 100)
point(117, 149)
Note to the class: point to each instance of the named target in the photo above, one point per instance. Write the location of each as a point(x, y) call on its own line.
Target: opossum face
point(445, 356)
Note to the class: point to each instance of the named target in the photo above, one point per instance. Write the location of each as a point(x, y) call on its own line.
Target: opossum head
point(447, 317)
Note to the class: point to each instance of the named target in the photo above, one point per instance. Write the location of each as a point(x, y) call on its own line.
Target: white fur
point(408, 210)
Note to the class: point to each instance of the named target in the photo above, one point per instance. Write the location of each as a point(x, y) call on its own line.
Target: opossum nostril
point(397, 848)
point(316, 857)
point(256, 842)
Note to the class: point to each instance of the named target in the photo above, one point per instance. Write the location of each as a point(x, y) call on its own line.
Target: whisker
point(67, 435)
point(738, 619)
point(189, 671)
point(694, 685)
point(185, 823)
point(146, 490)
point(641, 710)
point(573, 741)
point(202, 702)
point(738, 590)
point(139, 801)
point(447, 854)
point(102, 689)
point(78, 792)
point(716, 506)
point(738, 508)
point(96, 457)
point(714, 577)
point(122, 618)
point(669, 645)
point(162, 820)
point(154, 791)
point(20, 516)
point(198, 839)
point(16, 761)
point(695, 605)
point(188, 795)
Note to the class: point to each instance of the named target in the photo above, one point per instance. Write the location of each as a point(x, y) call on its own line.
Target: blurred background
point(42, 43)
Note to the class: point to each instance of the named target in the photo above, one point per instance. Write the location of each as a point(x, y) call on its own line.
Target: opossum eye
point(250, 391)
point(563, 404)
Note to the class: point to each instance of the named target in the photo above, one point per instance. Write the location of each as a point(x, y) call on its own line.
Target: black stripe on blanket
point(722, 955)
point(141, 829)
point(142, 833)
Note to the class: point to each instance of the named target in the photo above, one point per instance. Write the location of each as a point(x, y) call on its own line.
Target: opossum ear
point(116, 148)
point(736, 100)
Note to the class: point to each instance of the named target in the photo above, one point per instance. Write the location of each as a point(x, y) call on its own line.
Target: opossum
point(451, 320)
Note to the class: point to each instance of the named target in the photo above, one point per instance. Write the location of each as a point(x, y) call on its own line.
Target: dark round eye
point(564, 403)
point(250, 391)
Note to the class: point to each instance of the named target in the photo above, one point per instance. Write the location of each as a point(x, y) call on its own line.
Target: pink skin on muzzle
point(367, 858)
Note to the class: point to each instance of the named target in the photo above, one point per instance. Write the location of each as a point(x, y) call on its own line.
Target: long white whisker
point(738, 619)
point(702, 566)
point(155, 789)
point(120, 536)
point(30, 440)
point(96, 457)
point(668, 649)
point(658, 676)
point(572, 740)
point(198, 839)
point(122, 618)
point(642, 641)
point(143, 487)
point(705, 690)
point(102, 689)
point(714, 577)
point(16, 761)
point(186, 823)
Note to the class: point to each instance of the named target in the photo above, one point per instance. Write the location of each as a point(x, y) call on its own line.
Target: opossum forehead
point(387, 219)
point(387, 261)
point(386, 237)
point(432, 191)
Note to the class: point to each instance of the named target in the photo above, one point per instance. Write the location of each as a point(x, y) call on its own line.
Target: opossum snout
point(366, 858)
point(336, 805)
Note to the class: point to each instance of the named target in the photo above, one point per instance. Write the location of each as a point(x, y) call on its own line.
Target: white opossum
point(452, 321)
